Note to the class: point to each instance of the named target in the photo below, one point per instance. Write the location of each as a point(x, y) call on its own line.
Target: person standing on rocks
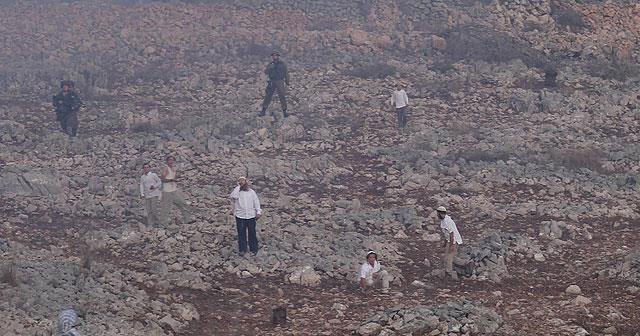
point(278, 77)
point(451, 238)
point(67, 104)
point(171, 196)
point(246, 209)
point(400, 100)
point(371, 273)
point(150, 185)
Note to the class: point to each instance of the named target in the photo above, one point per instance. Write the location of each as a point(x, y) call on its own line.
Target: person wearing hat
point(245, 206)
point(371, 273)
point(278, 77)
point(451, 238)
point(400, 100)
point(67, 104)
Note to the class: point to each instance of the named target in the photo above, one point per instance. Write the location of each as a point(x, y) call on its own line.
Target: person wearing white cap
point(371, 273)
point(451, 238)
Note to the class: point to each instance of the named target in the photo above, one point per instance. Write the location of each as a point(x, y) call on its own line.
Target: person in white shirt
point(451, 238)
point(371, 273)
point(246, 209)
point(150, 185)
point(400, 100)
point(171, 196)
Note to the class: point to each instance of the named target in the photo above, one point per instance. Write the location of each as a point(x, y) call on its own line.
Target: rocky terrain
point(523, 122)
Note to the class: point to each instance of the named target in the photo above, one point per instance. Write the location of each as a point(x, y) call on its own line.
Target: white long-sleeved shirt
point(399, 98)
point(447, 225)
point(147, 181)
point(246, 203)
point(366, 271)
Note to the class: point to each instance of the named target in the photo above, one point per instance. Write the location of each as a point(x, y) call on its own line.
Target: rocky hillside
point(523, 122)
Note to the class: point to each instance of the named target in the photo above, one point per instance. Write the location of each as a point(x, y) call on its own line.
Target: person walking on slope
point(67, 105)
point(150, 185)
point(451, 239)
point(372, 273)
point(400, 100)
point(245, 206)
point(278, 77)
point(171, 196)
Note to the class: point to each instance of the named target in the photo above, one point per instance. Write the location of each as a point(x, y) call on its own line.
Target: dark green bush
point(566, 16)
point(372, 71)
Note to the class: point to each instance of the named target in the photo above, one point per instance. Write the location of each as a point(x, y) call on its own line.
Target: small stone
point(539, 257)
point(401, 235)
point(431, 237)
point(368, 329)
point(418, 283)
point(610, 330)
point(339, 306)
point(573, 289)
point(170, 322)
point(581, 300)
point(497, 293)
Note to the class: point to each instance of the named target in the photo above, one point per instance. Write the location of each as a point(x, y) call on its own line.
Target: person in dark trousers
point(246, 208)
point(400, 101)
point(278, 78)
point(67, 104)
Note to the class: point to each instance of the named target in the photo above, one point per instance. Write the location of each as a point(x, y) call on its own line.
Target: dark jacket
point(277, 71)
point(66, 104)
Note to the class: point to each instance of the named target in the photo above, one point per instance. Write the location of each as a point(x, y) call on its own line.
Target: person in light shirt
point(246, 209)
point(451, 239)
point(171, 196)
point(400, 101)
point(150, 190)
point(371, 273)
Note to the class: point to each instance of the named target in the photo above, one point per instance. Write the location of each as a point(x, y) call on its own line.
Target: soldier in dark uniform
point(278, 78)
point(67, 104)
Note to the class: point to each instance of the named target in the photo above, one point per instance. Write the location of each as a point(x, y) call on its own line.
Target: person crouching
point(371, 274)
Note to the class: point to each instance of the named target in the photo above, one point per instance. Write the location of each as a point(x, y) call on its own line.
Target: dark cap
point(275, 53)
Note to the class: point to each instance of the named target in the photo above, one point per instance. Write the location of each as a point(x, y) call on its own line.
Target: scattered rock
point(573, 289)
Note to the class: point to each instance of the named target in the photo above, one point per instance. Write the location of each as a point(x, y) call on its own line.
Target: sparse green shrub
point(612, 70)
point(566, 16)
point(8, 275)
point(233, 129)
point(144, 127)
point(373, 71)
point(475, 43)
point(484, 155)
point(257, 49)
point(575, 159)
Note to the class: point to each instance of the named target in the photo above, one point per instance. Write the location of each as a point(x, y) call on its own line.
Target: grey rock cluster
point(457, 318)
point(627, 269)
point(44, 283)
point(486, 260)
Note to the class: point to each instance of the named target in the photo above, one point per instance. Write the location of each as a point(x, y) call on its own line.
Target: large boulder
point(25, 181)
point(305, 276)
